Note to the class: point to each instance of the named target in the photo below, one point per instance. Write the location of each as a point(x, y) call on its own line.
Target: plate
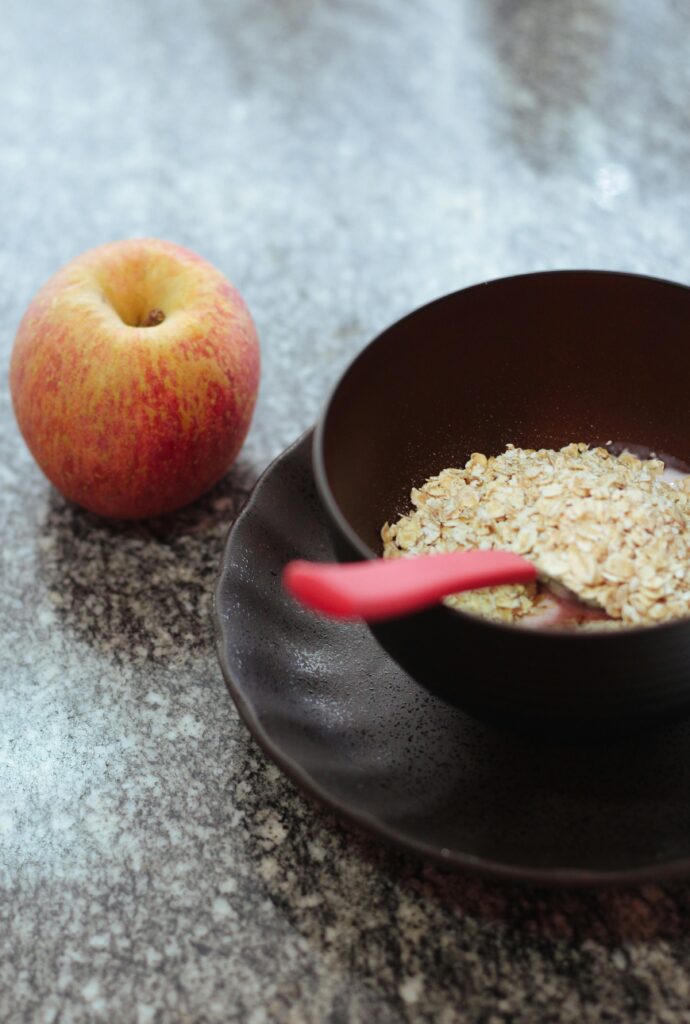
point(342, 720)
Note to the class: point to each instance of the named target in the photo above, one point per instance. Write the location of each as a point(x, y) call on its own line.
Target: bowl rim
point(334, 512)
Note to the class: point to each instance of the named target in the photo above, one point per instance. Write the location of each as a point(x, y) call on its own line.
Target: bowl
point(538, 360)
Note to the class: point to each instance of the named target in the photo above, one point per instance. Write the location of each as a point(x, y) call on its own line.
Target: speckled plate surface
point(346, 724)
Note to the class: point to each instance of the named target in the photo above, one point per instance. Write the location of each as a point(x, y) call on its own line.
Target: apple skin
point(133, 421)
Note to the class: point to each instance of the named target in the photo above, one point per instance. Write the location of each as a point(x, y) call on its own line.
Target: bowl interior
point(537, 361)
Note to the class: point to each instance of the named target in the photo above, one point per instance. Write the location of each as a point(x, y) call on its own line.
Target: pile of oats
point(609, 527)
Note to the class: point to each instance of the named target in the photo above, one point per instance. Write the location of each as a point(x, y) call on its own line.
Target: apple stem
point(152, 318)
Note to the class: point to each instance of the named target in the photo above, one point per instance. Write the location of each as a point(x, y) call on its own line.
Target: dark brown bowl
point(537, 360)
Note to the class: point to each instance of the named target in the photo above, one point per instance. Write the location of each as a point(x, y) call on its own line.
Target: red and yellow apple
point(134, 376)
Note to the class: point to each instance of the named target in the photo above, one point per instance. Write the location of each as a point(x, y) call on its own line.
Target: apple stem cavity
point(153, 318)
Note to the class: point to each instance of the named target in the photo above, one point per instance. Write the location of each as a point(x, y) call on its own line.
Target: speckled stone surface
point(342, 161)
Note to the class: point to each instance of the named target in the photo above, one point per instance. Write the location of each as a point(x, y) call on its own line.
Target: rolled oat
point(609, 527)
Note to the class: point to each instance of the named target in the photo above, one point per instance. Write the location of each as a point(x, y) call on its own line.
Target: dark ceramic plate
point(347, 725)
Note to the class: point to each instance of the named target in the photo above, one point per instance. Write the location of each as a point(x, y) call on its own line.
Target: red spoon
point(384, 588)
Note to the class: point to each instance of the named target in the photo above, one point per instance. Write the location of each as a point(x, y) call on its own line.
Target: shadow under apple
point(137, 590)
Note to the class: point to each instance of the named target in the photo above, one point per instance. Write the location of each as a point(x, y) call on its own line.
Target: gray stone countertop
point(343, 161)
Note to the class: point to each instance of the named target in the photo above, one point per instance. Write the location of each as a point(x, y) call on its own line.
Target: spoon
point(385, 588)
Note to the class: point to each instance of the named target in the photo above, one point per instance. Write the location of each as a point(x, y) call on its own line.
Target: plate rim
point(675, 869)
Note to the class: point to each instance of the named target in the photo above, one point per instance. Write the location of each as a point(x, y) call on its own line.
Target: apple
point(134, 376)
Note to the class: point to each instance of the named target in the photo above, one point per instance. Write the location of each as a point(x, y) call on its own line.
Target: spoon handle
point(385, 588)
